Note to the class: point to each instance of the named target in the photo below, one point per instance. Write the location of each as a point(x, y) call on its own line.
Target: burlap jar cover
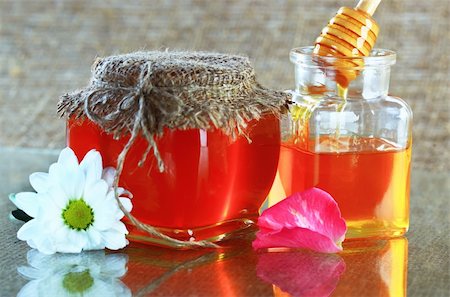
point(142, 93)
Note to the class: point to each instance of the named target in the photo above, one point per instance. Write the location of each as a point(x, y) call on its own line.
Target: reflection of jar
point(200, 272)
point(377, 267)
point(358, 149)
point(207, 133)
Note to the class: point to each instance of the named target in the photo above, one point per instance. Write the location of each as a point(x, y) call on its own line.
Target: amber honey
point(370, 181)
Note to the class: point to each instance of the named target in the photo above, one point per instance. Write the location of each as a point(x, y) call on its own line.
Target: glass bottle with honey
point(350, 138)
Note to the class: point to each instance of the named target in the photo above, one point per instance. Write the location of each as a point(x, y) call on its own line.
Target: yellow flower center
point(78, 215)
point(77, 282)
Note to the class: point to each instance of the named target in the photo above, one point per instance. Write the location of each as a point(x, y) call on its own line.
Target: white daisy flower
point(85, 274)
point(74, 208)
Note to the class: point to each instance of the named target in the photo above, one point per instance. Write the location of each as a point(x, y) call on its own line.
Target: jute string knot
point(141, 94)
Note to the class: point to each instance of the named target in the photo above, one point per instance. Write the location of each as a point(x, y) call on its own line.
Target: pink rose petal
point(310, 220)
point(296, 238)
point(301, 273)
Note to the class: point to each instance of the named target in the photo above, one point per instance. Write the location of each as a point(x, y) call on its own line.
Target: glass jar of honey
point(194, 137)
point(350, 138)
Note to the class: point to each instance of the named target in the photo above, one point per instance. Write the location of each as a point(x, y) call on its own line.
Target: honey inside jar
point(371, 186)
point(213, 185)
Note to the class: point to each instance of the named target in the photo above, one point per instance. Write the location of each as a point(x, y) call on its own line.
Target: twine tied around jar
point(143, 93)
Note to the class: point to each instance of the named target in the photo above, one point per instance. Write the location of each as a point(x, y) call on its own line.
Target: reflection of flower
point(74, 208)
point(310, 220)
point(85, 274)
point(301, 273)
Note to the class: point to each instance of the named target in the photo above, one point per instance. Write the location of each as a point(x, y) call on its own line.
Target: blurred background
point(47, 48)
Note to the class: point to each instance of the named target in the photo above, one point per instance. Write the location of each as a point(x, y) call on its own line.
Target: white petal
point(114, 240)
point(113, 207)
point(126, 203)
point(68, 159)
point(79, 237)
point(76, 241)
point(52, 218)
point(53, 222)
point(29, 230)
point(26, 201)
point(31, 243)
point(124, 192)
point(33, 232)
point(55, 173)
point(71, 180)
point(108, 175)
point(44, 243)
point(58, 196)
point(92, 166)
point(94, 240)
point(72, 242)
point(40, 181)
point(95, 194)
point(73, 184)
point(61, 236)
point(120, 227)
point(110, 196)
point(103, 219)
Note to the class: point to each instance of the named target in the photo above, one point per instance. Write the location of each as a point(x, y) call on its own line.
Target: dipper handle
point(368, 6)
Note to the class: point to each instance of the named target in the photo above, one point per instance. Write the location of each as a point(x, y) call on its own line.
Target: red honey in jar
point(211, 184)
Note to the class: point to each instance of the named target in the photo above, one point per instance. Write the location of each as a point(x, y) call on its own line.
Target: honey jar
point(200, 137)
point(353, 142)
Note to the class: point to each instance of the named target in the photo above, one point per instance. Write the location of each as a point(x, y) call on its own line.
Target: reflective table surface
point(415, 265)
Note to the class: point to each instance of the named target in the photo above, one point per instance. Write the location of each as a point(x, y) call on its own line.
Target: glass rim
point(378, 57)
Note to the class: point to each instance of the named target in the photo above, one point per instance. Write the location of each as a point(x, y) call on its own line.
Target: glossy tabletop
point(415, 265)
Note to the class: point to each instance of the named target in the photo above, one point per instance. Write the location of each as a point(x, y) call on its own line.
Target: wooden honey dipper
point(352, 32)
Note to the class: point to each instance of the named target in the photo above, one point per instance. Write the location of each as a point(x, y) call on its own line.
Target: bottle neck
point(360, 77)
point(368, 82)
